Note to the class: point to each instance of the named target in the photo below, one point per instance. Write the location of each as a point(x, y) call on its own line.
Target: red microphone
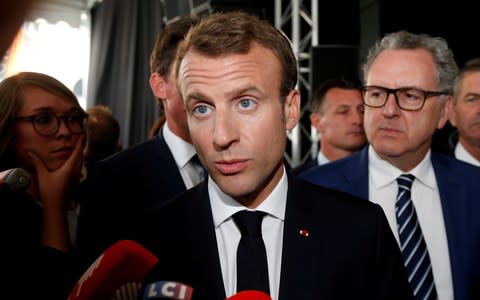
point(116, 274)
point(250, 295)
point(14, 180)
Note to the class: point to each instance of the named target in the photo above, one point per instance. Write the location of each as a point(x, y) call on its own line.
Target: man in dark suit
point(147, 174)
point(237, 76)
point(408, 83)
point(337, 116)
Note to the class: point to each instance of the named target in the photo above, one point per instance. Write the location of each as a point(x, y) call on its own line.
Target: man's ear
point(452, 116)
point(292, 109)
point(445, 111)
point(316, 120)
point(158, 85)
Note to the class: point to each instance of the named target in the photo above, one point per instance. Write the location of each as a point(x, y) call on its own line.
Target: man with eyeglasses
point(430, 200)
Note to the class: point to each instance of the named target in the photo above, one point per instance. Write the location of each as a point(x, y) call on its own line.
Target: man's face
point(465, 115)
point(237, 121)
point(165, 89)
point(399, 136)
point(174, 108)
point(340, 124)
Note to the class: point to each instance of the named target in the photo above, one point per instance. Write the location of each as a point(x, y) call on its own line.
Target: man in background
point(430, 199)
point(337, 115)
point(465, 113)
point(103, 134)
point(148, 174)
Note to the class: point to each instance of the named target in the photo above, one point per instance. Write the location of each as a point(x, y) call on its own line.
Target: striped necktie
point(412, 243)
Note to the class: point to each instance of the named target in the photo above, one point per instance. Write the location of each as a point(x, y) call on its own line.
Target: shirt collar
point(224, 206)
point(183, 151)
point(322, 159)
point(383, 173)
point(462, 154)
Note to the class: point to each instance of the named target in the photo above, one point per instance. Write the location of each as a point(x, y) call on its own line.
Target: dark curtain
point(123, 34)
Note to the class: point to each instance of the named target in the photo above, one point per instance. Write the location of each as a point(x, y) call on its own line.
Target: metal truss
point(298, 19)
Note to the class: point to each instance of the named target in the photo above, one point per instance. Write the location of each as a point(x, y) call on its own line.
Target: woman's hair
point(11, 101)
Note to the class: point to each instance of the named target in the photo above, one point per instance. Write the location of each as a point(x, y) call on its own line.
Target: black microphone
point(16, 179)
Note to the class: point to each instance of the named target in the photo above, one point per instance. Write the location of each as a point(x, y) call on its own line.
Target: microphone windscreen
point(116, 274)
point(250, 295)
point(167, 290)
point(14, 180)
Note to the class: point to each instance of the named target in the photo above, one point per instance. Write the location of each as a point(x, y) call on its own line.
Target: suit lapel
point(205, 243)
point(297, 255)
point(171, 178)
point(451, 187)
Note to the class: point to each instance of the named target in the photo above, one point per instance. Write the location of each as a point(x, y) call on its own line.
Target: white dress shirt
point(322, 159)
point(182, 153)
point(462, 154)
point(228, 235)
point(383, 189)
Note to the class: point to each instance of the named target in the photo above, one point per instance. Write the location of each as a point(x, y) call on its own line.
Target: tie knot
point(405, 181)
point(249, 222)
point(198, 166)
point(195, 160)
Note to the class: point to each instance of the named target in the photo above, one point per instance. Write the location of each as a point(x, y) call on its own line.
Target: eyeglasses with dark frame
point(407, 98)
point(47, 123)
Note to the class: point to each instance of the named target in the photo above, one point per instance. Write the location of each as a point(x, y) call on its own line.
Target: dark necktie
point(252, 266)
point(412, 244)
point(199, 167)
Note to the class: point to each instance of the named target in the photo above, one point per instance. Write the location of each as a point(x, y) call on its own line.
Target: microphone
point(14, 180)
point(250, 295)
point(167, 290)
point(117, 273)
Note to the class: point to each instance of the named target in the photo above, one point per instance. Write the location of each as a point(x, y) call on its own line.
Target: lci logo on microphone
point(168, 290)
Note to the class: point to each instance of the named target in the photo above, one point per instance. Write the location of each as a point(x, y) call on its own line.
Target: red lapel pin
point(304, 232)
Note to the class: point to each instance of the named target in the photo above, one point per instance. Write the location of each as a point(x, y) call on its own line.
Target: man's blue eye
point(246, 103)
point(201, 109)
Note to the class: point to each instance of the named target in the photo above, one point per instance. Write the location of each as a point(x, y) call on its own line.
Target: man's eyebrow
point(194, 95)
point(470, 94)
point(231, 94)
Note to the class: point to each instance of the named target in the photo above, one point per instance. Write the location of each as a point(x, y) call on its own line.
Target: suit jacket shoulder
point(121, 188)
point(303, 167)
point(349, 174)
